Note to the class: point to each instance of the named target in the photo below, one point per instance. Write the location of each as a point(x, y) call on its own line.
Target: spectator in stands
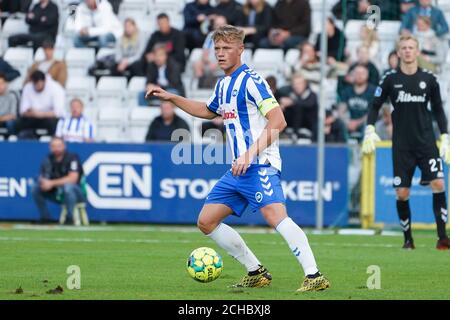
point(355, 101)
point(172, 38)
point(76, 127)
point(230, 9)
point(57, 69)
point(42, 103)
point(197, 17)
point(206, 69)
point(335, 131)
point(115, 4)
point(214, 129)
point(384, 125)
point(256, 20)
point(336, 42)
point(163, 126)
point(164, 72)
point(8, 71)
point(8, 106)
point(439, 23)
point(369, 38)
point(272, 82)
point(291, 25)
point(43, 21)
point(12, 6)
point(59, 181)
point(363, 54)
point(96, 25)
point(129, 50)
point(308, 65)
point(354, 9)
point(300, 106)
point(392, 61)
point(406, 5)
point(432, 48)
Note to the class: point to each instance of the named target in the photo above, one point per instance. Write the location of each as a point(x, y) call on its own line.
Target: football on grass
point(204, 264)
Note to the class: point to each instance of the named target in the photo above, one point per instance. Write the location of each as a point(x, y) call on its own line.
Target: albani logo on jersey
point(408, 97)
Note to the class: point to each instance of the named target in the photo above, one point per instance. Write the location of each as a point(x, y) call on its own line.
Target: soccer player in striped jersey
point(77, 127)
point(253, 121)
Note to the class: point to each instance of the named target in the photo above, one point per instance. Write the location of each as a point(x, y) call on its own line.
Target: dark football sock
point(440, 213)
point(404, 214)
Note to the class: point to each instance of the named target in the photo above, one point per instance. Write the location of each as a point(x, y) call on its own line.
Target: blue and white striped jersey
point(243, 99)
point(75, 129)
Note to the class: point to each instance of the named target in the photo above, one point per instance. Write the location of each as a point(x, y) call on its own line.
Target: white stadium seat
point(20, 58)
point(140, 119)
point(80, 87)
point(292, 56)
point(352, 29)
point(111, 92)
point(268, 61)
point(79, 60)
point(133, 9)
point(110, 124)
point(135, 86)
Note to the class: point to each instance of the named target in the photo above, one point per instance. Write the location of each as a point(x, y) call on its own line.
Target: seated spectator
point(8, 107)
point(272, 82)
point(383, 126)
point(230, 9)
point(369, 38)
point(172, 39)
point(354, 9)
point(43, 21)
point(59, 181)
point(438, 21)
point(76, 127)
point(163, 126)
point(336, 43)
point(335, 131)
point(364, 59)
point(406, 5)
point(197, 16)
point(214, 129)
point(256, 20)
point(308, 65)
point(115, 4)
point(57, 69)
point(129, 50)
point(300, 106)
point(96, 25)
point(355, 101)
point(432, 49)
point(206, 70)
point(8, 71)
point(393, 61)
point(291, 25)
point(163, 72)
point(42, 103)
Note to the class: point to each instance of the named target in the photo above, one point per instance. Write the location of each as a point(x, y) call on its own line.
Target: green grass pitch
point(148, 262)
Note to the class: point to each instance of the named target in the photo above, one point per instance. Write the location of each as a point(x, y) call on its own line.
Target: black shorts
point(405, 162)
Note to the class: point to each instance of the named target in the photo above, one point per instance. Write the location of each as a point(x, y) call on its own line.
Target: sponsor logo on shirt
point(229, 115)
point(408, 97)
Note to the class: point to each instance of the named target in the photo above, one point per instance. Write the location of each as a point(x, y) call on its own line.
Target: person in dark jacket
point(336, 41)
point(300, 105)
point(197, 16)
point(163, 126)
point(43, 22)
point(172, 38)
point(256, 20)
point(291, 25)
point(7, 70)
point(59, 180)
point(230, 9)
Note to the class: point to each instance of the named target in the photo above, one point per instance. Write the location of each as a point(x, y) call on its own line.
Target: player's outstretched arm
point(196, 108)
point(274, 126)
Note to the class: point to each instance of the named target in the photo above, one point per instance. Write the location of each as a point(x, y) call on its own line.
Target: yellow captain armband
point(266, 105)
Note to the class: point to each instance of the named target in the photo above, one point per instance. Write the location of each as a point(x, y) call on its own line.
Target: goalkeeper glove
point(370, 138)
point(444, 148)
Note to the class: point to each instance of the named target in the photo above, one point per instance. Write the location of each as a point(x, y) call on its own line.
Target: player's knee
point(437, 185)
point(205, 225)
point(402, 194)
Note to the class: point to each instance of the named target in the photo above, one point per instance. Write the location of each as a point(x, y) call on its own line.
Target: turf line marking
point(91, 240)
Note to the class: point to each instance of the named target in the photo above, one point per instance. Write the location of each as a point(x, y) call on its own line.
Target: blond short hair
point(229, 33)
point(406, 37)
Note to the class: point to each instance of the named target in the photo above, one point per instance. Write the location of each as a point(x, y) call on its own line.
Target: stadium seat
point(135, 86)
point(110, 125)
point(247, 56)
point(133, 8)
point(388, 30)
point(352, 29)
point(80, 87)
point(111, 92)
point(140, 119)
point(268, 61)
point(292, 56)
point(20, 58)
point(39, 54)
point(13, 26)
point(79, 60)
point(104, 52)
